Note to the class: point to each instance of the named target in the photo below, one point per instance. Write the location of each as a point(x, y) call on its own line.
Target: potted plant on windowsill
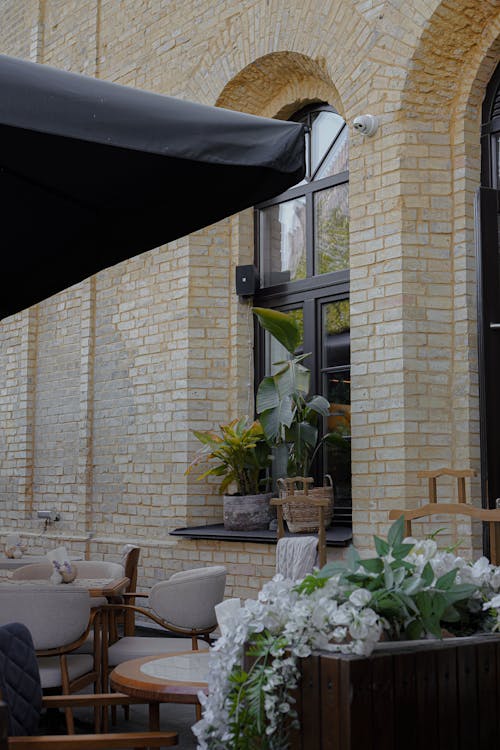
point(291, 416)
point(240, 455)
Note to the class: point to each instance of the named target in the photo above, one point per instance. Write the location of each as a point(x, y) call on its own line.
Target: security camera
point(49, 515)
point(366, 124)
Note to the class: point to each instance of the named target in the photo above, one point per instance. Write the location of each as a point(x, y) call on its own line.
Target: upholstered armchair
point(59, 619)
point(21, 702)
point(184, 605)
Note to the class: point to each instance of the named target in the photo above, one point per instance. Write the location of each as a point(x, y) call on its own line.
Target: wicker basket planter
point(303, 518)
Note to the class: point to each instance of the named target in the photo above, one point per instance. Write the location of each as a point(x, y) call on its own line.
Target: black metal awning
point(92, 173)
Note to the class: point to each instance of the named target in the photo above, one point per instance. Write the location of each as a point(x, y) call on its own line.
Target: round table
point(172, 678)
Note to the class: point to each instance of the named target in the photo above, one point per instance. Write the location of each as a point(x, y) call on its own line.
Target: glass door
point(336, 387)
point(488, 230)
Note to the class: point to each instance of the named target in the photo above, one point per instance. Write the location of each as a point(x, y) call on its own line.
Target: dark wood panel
point(310, 684)
point(426, 709)
point(487, 695)
point(356, 728)
point(435, 696)
point(447, 698)
point(330, 702)
point(383, 702)
point(467, 697)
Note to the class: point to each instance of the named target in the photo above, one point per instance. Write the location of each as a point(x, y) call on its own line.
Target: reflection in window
point(338, 158)
point(336, 356)
point(331, 225)
point(284, 242)
point(336, 338)
point(337, 458)
point(325, 127)
point(275, 352)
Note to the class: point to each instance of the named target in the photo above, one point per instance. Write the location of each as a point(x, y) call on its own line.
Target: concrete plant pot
point(247, 512)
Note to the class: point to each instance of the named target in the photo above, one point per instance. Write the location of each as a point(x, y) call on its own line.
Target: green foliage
point(332, 237)
point(246, 699)
point(241, 454)
point(280, 325)
point(414, 604)
point(286, 410)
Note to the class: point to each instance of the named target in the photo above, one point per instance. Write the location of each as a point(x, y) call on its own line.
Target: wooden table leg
point(198, 711)
point(154, 717)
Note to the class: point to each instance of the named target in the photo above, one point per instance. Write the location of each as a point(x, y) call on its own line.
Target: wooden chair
point(459, 474)
point(303, 498)
point(184, 605)
point(130, 564)
point(21, 702)
point(460, 508)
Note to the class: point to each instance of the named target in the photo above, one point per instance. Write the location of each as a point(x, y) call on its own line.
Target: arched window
point(302, 252)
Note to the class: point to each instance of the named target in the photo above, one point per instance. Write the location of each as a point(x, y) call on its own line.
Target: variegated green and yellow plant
point(238, 453)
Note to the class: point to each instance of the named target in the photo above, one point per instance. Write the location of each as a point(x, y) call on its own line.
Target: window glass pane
point(275, 352)
point(338, 159)
point(324, 128)
point(336, 341)
point(498, 160)
point(335, 320)
point(283, 242)
point(337, 457)
point(331, 229)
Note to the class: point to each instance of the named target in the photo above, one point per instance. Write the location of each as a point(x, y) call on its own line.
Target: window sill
point(336, 536)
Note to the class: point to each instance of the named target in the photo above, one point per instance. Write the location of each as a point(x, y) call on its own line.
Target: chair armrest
point(95, 741)
point(131, 594)
point(88, 699)
point(158, 620)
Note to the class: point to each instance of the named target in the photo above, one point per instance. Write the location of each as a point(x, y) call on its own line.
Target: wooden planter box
point(426, 695)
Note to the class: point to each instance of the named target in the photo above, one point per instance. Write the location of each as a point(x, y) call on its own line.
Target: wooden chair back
point(460, 474)
point(131, 564)
point(302, 497)
point(460, 508)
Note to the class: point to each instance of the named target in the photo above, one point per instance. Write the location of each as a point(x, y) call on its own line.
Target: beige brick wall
point(101, 385)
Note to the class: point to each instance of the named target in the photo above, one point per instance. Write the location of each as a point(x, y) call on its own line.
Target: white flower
point(493, 603)
point(360, 597)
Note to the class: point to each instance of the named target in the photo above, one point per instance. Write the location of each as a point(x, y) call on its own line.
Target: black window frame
point(309, 293)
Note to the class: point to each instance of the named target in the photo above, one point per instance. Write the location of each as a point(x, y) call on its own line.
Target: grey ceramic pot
point(247, 512)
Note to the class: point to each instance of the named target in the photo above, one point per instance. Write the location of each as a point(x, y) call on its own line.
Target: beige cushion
point(50, 673)
point(55, 615)
point(134, 647)
point(187, 600)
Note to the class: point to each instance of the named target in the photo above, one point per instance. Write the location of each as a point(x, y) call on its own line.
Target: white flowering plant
point(410, 590)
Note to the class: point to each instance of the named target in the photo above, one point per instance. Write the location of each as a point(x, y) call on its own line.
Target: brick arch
point(440, 107)
point(451, 39)
point(278, 84)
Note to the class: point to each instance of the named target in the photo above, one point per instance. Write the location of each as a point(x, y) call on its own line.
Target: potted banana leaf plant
point(238, 453)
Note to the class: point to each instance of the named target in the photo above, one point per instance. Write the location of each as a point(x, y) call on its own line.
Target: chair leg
point(63, 665)
point(154, 717)
point(98, 684)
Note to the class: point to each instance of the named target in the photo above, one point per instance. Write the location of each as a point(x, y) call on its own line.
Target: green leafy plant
point(240, 454)
point(288, 413)
point(413, 602)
